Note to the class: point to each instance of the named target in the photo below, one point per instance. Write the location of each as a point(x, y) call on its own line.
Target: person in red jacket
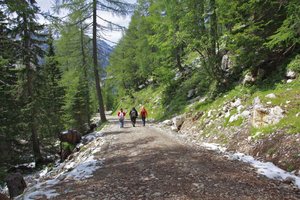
point(144, 115)
point(121, 115)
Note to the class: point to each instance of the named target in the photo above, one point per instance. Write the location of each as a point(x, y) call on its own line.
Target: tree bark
point(96, 73)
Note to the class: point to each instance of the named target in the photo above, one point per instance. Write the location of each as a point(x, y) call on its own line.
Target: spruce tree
point(30, 39)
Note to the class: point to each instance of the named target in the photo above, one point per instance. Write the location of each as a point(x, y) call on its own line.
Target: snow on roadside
point(79, 166)
point(267, 169)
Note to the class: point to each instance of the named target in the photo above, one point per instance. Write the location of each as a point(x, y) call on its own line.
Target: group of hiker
point(133, 114)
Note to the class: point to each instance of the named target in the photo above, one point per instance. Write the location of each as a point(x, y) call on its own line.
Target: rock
point(142, 86)
point(248, 79)
point(289, 180)
point(191, 93)
point(16, 184)
point(271, 96)
point(298, 114)
point(239, 108)
point(265, 116)
point(236, 103)
point(227, 114)
point(256, 101)
point(178, 121)
point(289, 81)
point(246, 113)
point(234, 118)
point(167, 123)
point(226, 63)
point(174, 128)
point(202, 99)
point(198, 115)
point(291, 74)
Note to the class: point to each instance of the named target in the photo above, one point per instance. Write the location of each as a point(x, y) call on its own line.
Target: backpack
point(121, 115)
point(133, 114)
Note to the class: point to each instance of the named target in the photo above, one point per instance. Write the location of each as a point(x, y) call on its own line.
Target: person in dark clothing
point(133, 115)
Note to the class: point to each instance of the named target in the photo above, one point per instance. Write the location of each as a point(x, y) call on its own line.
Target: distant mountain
point(104, 51)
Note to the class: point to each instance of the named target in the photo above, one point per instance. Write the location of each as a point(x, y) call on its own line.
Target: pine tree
point(52, 94)
point(28, 31)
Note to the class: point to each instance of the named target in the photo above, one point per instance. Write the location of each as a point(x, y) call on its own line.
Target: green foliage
point(295, 64)
point(67, 146)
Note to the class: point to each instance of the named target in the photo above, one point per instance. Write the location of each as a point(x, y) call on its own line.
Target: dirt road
point(144, 163)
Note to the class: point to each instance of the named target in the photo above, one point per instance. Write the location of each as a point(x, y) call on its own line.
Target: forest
point(53, 79)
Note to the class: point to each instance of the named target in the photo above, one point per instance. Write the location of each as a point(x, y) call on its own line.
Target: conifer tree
point(28, 32)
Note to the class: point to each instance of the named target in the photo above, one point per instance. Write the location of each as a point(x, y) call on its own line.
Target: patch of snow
point(267, 169)
point(81, 166)
point(48, 193)
point(90, 137)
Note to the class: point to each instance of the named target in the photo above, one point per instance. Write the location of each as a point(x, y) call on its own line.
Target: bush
point(295, 64)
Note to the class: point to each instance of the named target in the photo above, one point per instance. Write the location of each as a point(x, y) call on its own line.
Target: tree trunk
point(96, 73)
point(87, 96)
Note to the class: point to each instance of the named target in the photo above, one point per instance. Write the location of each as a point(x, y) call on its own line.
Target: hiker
point(144, 114)
point(121, 115)
point(133, 115)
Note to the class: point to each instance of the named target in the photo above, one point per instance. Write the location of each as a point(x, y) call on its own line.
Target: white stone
point(236, 103)
point(209, 113)
point(298, 114)
point(191, 93)
point(246, 113)
point(269, 102)
point(287, 102)
point(248, 78)
point(202, 99)
point(227, 114)
point(234, 118)
point(174, 128)
point(271, 96)
point(256, 101)
point(167, 122)
point(291, 74)
point(289, 81)
point(239, 108)
point(178, 121)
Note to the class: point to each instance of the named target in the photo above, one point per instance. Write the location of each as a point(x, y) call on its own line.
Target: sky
point(114, 36)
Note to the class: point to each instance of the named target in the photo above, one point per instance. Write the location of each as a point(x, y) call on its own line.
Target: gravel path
point(145, 163)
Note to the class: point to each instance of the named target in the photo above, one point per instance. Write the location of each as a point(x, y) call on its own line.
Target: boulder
point(15, 184)
point(178, 121)
point(266, 116)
